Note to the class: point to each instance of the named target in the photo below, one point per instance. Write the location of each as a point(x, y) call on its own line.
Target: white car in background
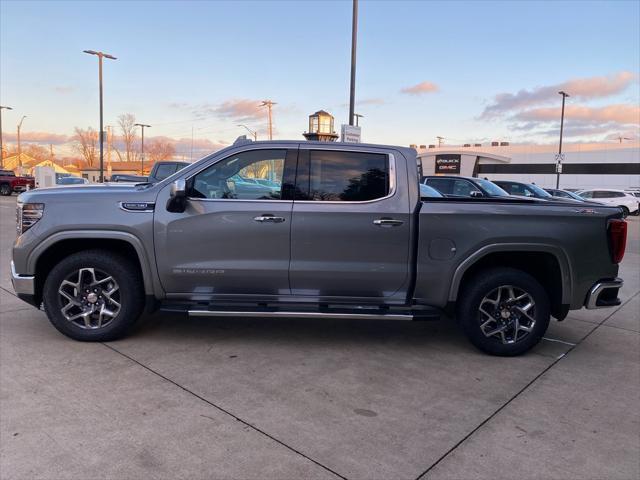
point(618, 198)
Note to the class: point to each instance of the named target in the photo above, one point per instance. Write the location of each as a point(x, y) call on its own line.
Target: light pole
point(1, 144)
point(354, 41)
point(20, 145)
point(100, 56)
point(142, 126)
point(253, 134)
point(358, 117)
point(559, 164)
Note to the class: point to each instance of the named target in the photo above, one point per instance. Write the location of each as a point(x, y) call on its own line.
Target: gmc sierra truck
point(339, 230)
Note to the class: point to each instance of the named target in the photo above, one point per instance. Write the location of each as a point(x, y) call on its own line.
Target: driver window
point(252, 175)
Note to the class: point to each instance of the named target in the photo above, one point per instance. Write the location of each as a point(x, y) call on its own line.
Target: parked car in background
point(456, 186)
point(10, 183)
point(633, 191)
point(71, 180)
point(530, 190)
point(159, 172)
point(127, 178)
point(555, 192)
point(628, 202)
point(162, 170)
point(429, 192)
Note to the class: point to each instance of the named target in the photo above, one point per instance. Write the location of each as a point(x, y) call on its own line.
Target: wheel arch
point(549, 264)
point(47, 254)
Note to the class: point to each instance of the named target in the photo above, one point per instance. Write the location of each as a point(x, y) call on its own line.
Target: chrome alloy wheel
point(507, 313)
point(90, 298)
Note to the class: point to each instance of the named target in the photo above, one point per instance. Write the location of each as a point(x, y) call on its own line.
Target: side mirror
point(177, 202)
point(476, 193)
point(178, 189)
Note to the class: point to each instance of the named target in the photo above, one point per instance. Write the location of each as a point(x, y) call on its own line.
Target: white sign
point(559, 160)
point(350, 134)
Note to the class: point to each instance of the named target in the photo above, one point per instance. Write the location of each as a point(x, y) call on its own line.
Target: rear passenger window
point(347, 176)
point(602, 194)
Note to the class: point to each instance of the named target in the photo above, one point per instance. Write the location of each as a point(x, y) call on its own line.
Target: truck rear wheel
point(93, 295)
point(503, 311)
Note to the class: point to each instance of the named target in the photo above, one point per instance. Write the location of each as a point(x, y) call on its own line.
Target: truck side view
point(10, 183)
point(312, 229)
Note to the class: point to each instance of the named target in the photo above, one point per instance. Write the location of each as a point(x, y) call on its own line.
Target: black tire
point(480, 289)
point(130, 295)
point(5, 189)
point(625, 211)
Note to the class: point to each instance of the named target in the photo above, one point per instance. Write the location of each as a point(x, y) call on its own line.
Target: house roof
point(12, 163)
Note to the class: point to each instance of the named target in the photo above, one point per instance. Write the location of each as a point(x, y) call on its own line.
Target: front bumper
point(604, 293)
point(22, 284)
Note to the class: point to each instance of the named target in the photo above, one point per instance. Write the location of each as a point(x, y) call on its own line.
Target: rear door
point(351, 224)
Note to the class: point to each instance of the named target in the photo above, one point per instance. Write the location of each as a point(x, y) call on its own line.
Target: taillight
point(617, 239)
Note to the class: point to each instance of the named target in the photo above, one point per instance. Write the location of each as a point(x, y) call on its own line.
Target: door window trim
point(288, 151)
point(392, 174)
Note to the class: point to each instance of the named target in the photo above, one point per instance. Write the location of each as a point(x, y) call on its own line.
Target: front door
point(351, 226)
point(233, 238)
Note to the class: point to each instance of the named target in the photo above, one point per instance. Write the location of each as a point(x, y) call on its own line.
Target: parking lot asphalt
point(284, 399)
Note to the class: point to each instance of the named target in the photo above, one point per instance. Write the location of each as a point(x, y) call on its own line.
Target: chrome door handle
point(387, 222)
point(268, 218)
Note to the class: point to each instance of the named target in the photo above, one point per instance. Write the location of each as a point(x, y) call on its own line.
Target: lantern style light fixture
point(321, 127)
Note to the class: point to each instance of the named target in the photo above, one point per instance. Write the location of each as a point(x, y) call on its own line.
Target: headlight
point(27, 214)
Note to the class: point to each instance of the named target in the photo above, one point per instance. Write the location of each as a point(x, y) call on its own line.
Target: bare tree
point(159, 150)
point(128, 130)
point(86, 144)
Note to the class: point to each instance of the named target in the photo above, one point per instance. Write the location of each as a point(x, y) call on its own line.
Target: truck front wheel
point(93, 295)
point(503, 311)
point(5, 189)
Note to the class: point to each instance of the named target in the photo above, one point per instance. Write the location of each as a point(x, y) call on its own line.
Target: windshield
point(491, 188)
point(539, 191)
point(429, 192)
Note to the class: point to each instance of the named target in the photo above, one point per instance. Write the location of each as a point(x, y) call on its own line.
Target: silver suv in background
point(629, 203)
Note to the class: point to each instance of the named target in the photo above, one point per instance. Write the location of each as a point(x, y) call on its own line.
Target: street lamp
point(559, 163)
point(100, 56)
point(19, 145)
point(1, 144)
point(253, 134)
point(142, 126)
point(354, 42)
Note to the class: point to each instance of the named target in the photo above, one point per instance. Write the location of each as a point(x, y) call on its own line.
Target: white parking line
point(558, 341)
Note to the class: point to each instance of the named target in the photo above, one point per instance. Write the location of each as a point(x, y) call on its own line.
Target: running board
point(281, 314)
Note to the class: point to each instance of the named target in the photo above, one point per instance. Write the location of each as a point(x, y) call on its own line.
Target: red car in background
point(9, 183)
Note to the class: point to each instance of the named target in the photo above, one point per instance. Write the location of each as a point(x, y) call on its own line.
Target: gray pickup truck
point(326, 230)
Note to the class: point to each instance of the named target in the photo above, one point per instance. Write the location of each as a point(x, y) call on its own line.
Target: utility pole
point(559, 164)
point(142, 126)
point(20, 145)
point(100, 56)
point(2, 144)
point(191, 157)
point(109, 171)
point(440, 141)
point(269, 104)
point(354, 45)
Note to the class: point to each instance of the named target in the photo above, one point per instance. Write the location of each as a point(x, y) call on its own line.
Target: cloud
point(580, 88)
point(421, 88)
point(44, 138)
point(64, 89)
point(618, 113)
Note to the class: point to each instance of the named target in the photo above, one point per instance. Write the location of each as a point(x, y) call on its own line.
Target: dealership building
point(588, 165)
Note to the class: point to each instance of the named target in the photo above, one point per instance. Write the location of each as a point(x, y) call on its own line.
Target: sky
point(469, 71)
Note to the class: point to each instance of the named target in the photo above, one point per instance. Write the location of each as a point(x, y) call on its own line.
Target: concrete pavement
point(210, 398)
